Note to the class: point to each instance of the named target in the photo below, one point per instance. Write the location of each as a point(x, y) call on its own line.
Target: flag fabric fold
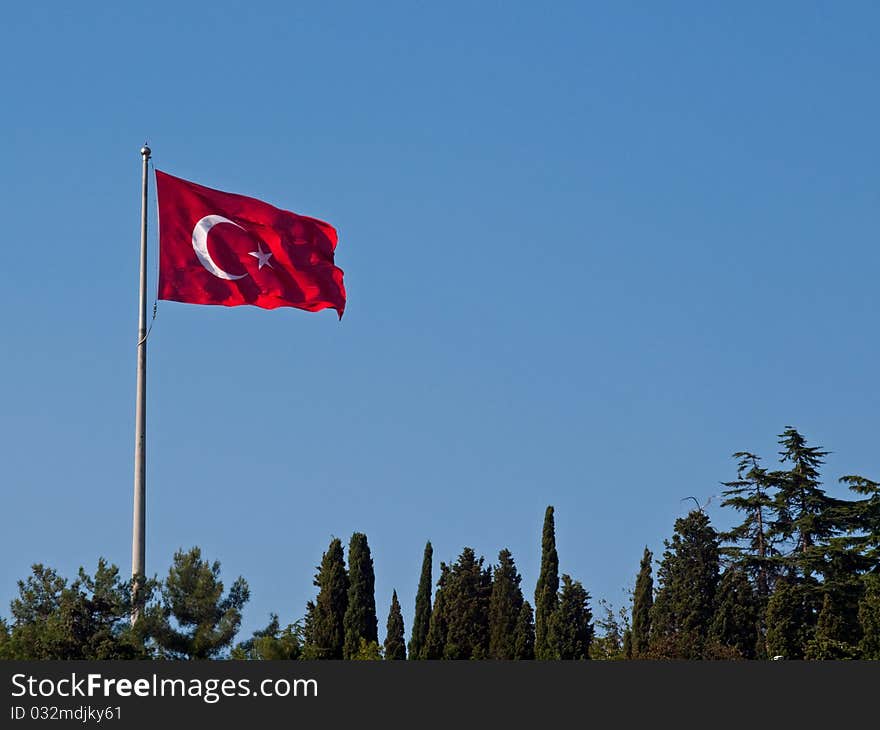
point(223, 248)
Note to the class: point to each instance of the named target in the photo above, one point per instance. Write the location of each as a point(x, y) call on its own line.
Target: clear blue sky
point(591, 249)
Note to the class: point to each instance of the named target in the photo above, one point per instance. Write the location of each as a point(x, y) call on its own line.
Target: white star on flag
point(261, 256)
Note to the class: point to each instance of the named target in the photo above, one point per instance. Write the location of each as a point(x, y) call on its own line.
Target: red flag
point(222, 248)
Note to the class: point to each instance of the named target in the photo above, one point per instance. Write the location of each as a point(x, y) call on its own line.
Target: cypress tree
point(735, 623)
point(505, 604)
point(685, 602)
point(524, 634)
point(422, 618)
point(360, 616)
point(467, 608)
point(830, 638)
point(435, 642)
point(791, 618)
point(869, 618)
point(643, 601)
point(628, 651)
point(571, 626)
point(546, 599)
point(325, 617)
point(395, 644)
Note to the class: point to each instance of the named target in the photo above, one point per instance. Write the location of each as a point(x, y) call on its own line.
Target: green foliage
point(422, 618)
point(395, 644)
point(505, 605)
point(325, 631)
point(438, 629)
point(791, 618)
point(830, 638)
point(613, 640)
point(86, 619)
point(368, 651)
point(359, 621)
point(685, 602)
point(467, 590)
point(524, 633)
point(195, 620)
point(546, 590)
point(643, 602)
point(571, 628)
point(273, 643)
point(869, 618)
point(736, 620)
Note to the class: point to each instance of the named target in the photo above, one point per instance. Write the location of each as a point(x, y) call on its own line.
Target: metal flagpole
point(138, 543)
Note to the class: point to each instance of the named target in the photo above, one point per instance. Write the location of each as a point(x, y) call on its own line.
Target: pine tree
point(869, 618)
point(360, 620)
point(571, 627)
point(505, 604)
point(438, 628)
point(422, 618)
point(395, 644)
point(325, 617)
point(546, 599)
point(204, 621)
point(735, 623)
point(685, 602)
point(467, 589)
point(524, 634)
point(643, 601)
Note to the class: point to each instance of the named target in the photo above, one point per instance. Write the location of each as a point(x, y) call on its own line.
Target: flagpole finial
point(145, 151)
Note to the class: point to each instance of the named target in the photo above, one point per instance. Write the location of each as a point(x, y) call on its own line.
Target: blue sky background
point(591, 249)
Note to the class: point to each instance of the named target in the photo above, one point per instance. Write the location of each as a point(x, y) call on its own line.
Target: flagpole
point(138, 542)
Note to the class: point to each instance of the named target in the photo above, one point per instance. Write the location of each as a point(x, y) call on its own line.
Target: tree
point(273, 643)
point(325, 633)
point(359, 620)
point(505, 604)
point(751, 544)
point(467, 589)
point(735, 623)
point(435, 642)
point(613, 640)
point(869, 618)
point(685, 601)
point(395, 644)
point(195, 620)
point(422, 618)
point(791, 618)
point(524, 633)
point(643, 601)
point(86, 619)
point(571, 628)
point(830, 640)
point(546, 598)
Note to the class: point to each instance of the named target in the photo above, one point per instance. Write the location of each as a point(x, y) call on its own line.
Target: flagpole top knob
point(145, 152)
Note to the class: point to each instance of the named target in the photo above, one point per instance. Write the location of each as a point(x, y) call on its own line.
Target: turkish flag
point(222, 248)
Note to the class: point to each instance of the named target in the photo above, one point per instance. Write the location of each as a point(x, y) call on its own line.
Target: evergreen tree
point(505, 604)
point(830, 638)
point(610, 635)
point(869, 618)
point(735, 623)
point(272, 643)
point(628, 651)
point(791, 618)
point(571, 627)
point(325, 617)
point(643, 602)
point(360, 621)
point(546, 598)
point(395, 644)
point(195, 620)
point(524, 633)
point(438, 628)
point(467, 589)
point(422, 618)
point(751, 545)
point(685, 601)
